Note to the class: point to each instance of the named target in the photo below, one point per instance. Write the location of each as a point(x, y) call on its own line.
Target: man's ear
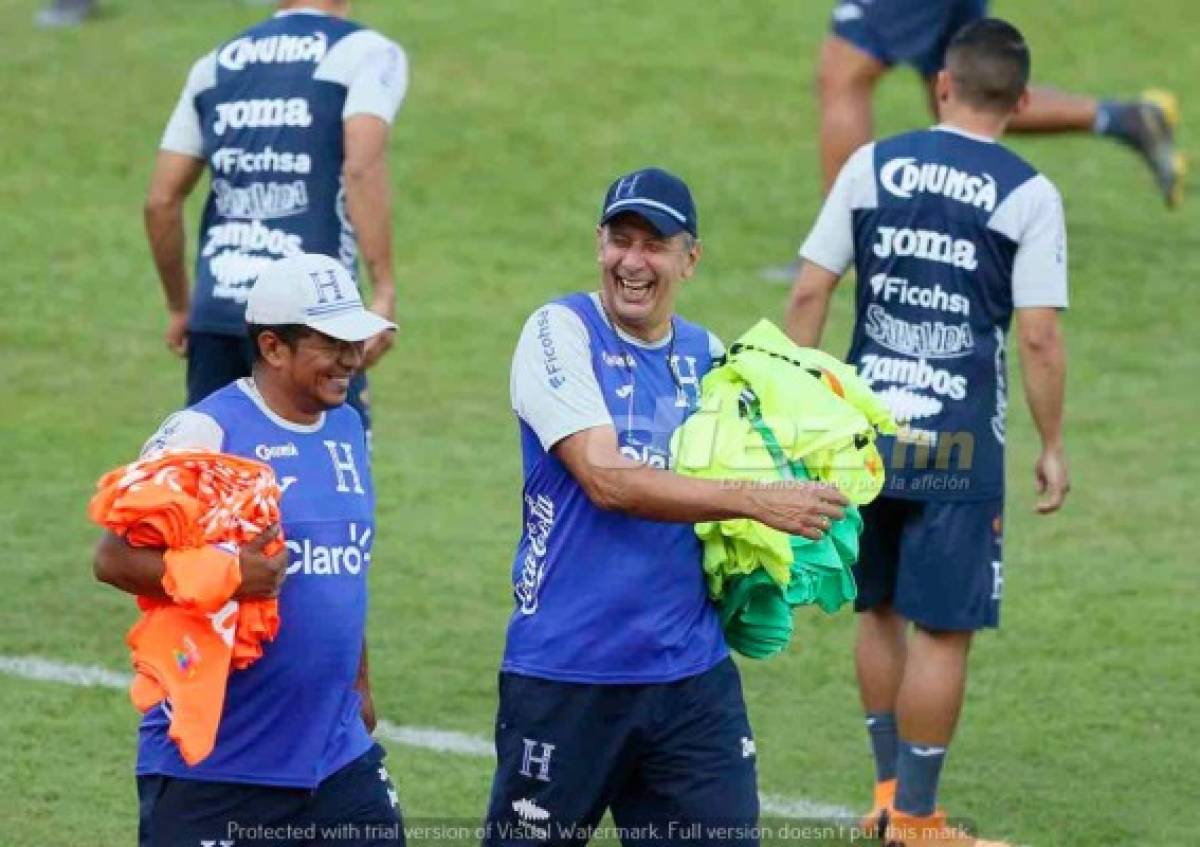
point(1022, 103)
point(272, 348)
point(943, 85)
point(600, 243)
point(693, 258)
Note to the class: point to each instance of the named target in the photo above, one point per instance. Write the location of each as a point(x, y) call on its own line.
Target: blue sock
point(1117, 119)
point(918, 768)
point(881, 727)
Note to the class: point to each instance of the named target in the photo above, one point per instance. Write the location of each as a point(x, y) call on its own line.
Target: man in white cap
point(294, 748)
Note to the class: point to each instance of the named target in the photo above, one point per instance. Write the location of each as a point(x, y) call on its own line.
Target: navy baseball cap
point(663, 199)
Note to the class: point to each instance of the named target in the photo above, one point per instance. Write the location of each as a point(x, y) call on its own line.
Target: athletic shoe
point(1149, 127)
point(875, 821)
point(905, 830)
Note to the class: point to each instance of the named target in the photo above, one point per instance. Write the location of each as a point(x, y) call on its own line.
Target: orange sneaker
point(904, 830)
point(874, 821)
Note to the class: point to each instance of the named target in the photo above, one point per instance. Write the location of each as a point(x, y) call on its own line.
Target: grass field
point(1081, 725)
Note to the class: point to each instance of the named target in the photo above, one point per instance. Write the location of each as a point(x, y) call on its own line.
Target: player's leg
point(357, 806)
point(187, 812)
point(696, 780)
point(846, 78)
point(560, 752)
point(214, 361)
point(879, 649)
point(1145, 124)
point(949, 585)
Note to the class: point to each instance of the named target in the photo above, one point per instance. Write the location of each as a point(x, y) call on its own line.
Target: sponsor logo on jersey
point(926, 244)
point(331, 559)
point(537, 528)
point(1000, 416)
point(554, 371)
point(253, 236)
point(273, 49)
point(904, 176)
point(266, 452)
point(917, 374)
point(269, 112)
point(234, 160)
point(927, 339)
point(896, 289)
point(260, 200)
point(238, 251)
point(907, 405)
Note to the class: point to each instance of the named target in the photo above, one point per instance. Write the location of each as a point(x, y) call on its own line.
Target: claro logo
point(309, 557)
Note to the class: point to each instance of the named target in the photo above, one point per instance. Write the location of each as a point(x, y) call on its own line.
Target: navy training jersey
point(293, 717)
point(265, 111)
point(948, 233)
point(604, 597)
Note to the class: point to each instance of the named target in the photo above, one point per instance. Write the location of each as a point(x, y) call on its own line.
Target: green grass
point(1081, 724)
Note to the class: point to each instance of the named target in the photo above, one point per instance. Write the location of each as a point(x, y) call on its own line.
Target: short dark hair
point(989, 62)
point(289, 334)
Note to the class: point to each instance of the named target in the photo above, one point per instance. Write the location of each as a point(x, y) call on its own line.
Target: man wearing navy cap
point(616, 688)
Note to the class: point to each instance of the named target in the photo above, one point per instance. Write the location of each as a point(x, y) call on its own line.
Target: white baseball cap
point(314, 291)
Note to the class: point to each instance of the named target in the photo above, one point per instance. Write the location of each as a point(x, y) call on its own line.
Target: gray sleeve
point(553, 387)
point(182, 134)
point(1032, 216)
point(185, 429)
point(374, 71)
point(830, 244)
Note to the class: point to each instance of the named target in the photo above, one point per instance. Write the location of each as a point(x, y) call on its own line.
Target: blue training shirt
point(604, 597)
point(293, 717)
point(265, 111)
point(948, 233)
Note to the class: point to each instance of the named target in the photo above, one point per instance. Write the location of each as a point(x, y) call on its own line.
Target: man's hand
point(176, 334)
point(1052, 479)
point(806, 508)
point(262, 575)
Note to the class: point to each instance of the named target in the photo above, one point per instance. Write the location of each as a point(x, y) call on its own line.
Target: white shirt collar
point(303, 10)
point(974, 136)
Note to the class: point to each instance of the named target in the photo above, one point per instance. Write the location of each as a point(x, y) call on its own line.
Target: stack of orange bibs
point(200, 506)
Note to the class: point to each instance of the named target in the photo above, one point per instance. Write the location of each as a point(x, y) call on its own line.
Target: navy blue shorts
point(675, 762)
point(214, 361)
point(355, 807)
point(939, 564)
point(912, 32)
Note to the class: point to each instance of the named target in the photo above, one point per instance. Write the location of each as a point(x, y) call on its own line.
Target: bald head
point(988, 62)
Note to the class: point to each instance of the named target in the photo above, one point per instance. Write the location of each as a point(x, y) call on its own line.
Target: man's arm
point(139, 570)
point(1044, 364)
point(808, 305)
point(615, 483)
point(175, 175)
point(369, 205)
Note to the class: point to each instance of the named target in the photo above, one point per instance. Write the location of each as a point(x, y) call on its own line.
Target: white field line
point(421, 737)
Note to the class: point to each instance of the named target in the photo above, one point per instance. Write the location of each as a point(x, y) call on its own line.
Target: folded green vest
point(829, 417)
